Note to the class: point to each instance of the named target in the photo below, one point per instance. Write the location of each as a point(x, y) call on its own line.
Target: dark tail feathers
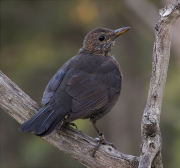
point(44, 121)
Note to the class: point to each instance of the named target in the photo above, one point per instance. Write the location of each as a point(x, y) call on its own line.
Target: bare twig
point(150, 131)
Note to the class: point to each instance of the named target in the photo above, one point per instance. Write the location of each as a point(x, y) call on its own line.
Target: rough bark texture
point(150, 131)
point(73, 142)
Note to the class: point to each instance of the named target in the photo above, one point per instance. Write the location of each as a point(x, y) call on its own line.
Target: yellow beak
point(119, 32)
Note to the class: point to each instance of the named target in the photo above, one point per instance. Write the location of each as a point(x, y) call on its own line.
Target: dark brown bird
point(86, 86)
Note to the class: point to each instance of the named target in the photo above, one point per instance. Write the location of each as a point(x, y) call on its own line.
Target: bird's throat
point(98, 52)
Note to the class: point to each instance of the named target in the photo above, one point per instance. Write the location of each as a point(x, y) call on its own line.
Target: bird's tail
point(44, 121)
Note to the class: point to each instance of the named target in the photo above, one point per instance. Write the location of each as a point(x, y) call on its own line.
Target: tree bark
point(80, 146)
point(150, 131)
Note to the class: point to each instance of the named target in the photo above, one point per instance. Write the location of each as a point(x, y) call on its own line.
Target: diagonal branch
point(150, 131)
point(73, 142)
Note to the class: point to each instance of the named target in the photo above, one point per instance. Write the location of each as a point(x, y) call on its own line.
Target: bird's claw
point(97, 147)
point(101, 140)
point(62, 123)
point(72, 124)
point(97, 139)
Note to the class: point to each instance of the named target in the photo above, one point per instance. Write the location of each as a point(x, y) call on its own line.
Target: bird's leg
point(101, 139)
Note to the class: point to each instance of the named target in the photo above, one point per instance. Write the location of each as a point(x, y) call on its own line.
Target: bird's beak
point(119, 32)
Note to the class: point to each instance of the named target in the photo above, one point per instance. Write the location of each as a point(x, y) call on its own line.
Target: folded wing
point(91, 92)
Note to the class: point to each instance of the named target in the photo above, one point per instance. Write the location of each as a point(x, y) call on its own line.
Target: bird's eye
point(101, 38)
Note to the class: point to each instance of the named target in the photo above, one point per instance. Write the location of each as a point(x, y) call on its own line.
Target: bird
point(87, 86)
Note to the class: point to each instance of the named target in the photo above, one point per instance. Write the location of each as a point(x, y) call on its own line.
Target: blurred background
point(38, 37)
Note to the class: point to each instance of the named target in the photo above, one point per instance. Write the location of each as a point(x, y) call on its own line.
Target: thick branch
point(73, 142)
point(150, 131)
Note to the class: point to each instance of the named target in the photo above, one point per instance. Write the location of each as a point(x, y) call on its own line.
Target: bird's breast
point(91, 63)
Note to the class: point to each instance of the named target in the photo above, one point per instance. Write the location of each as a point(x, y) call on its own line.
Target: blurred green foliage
point(38, 37)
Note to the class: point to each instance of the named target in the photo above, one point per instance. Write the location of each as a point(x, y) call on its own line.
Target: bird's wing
point(92, 91)
point(54, 83)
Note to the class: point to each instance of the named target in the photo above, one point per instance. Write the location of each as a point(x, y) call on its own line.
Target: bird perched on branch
point(86, 86)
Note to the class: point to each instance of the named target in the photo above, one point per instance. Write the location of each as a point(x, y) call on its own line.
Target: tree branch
point(73, 142)
point(150, 131)
point(80, 146)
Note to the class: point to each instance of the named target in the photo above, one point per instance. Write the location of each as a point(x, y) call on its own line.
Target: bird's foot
point(60, 125)
point(101, 140)
point(72, 124)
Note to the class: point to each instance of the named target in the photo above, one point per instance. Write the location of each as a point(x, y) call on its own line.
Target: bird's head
point(100, 41)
